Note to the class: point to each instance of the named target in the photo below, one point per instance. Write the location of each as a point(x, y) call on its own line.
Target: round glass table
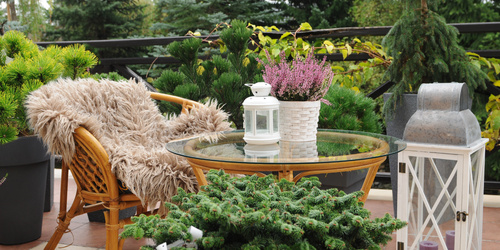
point(332, 151)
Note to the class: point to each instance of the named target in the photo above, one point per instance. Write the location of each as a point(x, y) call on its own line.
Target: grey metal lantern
point(261, 115)
point(441, 172)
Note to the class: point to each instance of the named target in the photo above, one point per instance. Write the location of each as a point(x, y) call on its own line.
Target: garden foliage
point(96, 19)
point(219, 78)
point(23, 68)
point(349, 110)
point(260, 213)
point(424, 49)
point(174, 17)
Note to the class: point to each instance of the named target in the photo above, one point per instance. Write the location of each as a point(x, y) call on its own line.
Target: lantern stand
point(441, 172)
point(261, 113)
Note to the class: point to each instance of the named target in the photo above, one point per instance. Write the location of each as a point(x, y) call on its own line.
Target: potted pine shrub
point(424, 50)
point(262, 213)
point(346, 109)
point(23, 68)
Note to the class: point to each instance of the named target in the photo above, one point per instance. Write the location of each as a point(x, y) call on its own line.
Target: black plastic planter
point(396, 127)
point(22, 195)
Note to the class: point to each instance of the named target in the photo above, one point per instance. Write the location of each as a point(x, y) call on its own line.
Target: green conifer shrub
point(23, 68)
point(348, 110)
point(261, 213)
point(425, 50)
point(218, 78)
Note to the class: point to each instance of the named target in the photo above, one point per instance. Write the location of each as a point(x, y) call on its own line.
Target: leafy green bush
point(260, 213)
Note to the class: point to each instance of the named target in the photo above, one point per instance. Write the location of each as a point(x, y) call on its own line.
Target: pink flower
point(304, 79)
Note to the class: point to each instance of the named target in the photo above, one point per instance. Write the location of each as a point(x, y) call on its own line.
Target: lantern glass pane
point(275, 121)
point(248, 121)
point(432, 200)
point(262, 116)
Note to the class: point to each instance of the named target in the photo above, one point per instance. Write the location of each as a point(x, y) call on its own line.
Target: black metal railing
point(121, 64)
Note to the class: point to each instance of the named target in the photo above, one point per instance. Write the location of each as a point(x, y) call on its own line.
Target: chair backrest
point(91, 169)
point(90, 165)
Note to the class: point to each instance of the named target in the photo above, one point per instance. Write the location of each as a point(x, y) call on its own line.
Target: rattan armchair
point(97, 185)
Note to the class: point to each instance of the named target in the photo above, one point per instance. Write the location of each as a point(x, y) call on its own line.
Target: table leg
point(286, 174)
point(370, 177)
point(198, 172)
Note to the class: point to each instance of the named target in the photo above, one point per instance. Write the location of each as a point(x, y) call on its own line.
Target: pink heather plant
point(304, 79)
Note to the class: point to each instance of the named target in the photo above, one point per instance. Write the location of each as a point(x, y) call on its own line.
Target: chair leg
point(121, 242)
point(63, 223)
point(112, 225)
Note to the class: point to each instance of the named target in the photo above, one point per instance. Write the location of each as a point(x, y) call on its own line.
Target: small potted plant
point(299, 85)
point(24, 68)
point(261, 213)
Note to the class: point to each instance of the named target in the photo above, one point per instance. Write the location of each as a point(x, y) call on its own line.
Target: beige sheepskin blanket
point(130, 127)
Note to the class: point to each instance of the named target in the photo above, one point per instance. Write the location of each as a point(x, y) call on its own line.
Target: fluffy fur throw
point(130, 127)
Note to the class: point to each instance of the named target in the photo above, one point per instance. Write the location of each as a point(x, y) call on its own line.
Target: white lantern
point(441, 172)
point(266, 153)
point(261, 115)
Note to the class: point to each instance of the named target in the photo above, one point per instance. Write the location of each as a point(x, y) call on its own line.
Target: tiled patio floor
point(87, 235)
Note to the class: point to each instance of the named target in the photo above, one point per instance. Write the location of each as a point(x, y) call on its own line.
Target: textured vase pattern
point(298, 121)
point(306, 149)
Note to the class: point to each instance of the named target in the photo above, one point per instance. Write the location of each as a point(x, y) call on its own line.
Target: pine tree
point(27, 16)
point(261, 213)
point(222, 79)
point(320, 14)
point(177, 17)
point(376, 12)
point(425, 50)
point(348, 110)
point(96, 19)
point(472, 11)
point(23, 68)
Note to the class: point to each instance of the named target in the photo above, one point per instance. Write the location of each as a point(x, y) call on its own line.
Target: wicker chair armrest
point(186, 103)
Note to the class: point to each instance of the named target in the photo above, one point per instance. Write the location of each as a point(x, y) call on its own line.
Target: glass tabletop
point(330, 146)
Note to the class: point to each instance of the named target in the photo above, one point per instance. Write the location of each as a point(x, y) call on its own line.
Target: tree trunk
point(11, 11)
point(423, 4)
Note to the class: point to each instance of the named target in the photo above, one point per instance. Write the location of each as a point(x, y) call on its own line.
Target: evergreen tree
point(222, 79)
point(472, 11)
point(368, 13)
point(320, 14)
point(177, 17)
point(27, 16)
point(386, 13)
point(96, 19)
point(425, 50)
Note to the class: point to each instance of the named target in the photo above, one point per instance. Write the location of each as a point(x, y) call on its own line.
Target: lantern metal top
point(260, 88)
point(443, 116)
point(261, 98)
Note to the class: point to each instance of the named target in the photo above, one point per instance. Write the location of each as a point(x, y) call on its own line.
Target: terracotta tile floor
point(92, 235)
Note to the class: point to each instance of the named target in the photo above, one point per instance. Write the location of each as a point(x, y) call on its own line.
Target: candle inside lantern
point(450, 239)
point(428, 245)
